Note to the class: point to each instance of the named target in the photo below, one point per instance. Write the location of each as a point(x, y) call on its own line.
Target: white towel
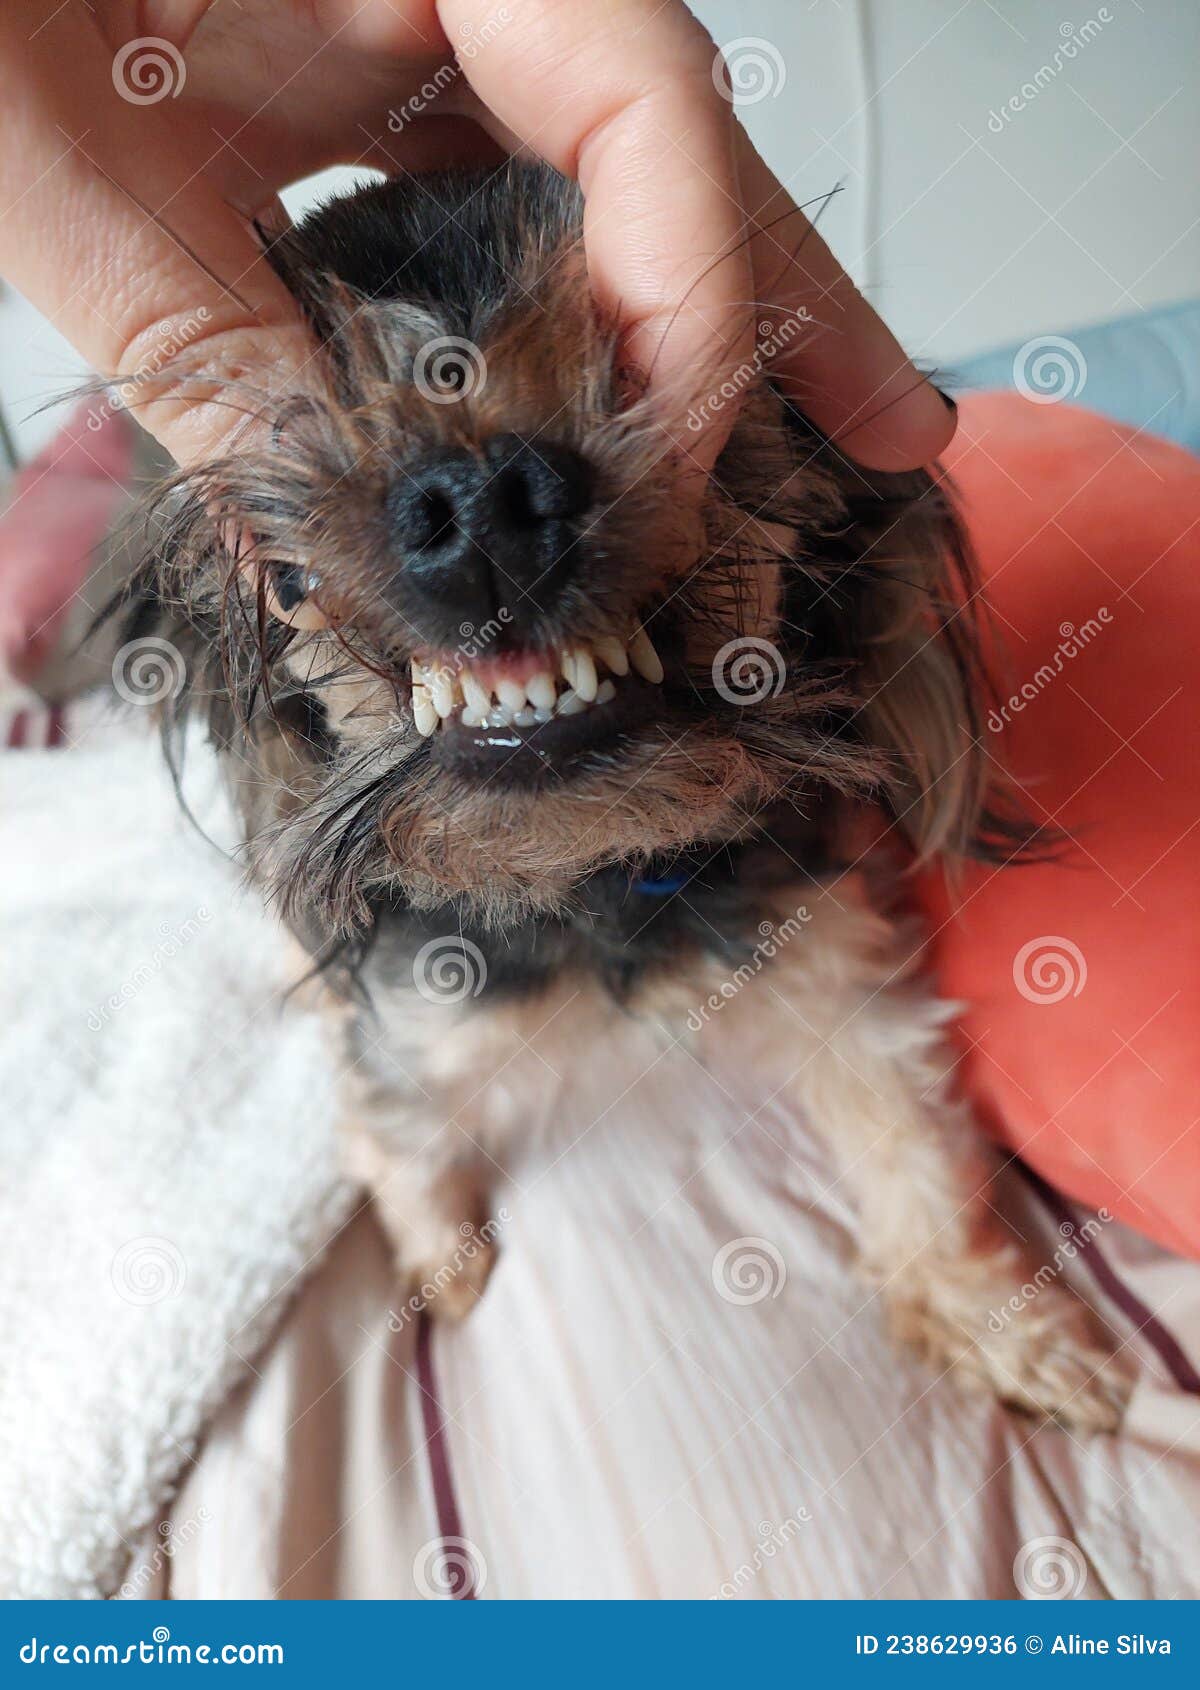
point(167, 1169)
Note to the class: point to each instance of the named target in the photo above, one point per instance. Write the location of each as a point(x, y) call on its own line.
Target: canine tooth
point(644, 657)
point(477, 696)
point(613, 653)
point(524, 718)
point(570, 704)
point(540, 690)
point(605, 692)
point(424, 714)
point(584, 678)
point(511, 694)
point(440, 683)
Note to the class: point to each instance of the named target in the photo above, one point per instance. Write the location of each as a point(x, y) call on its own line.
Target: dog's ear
point(913, 617)
point(922, 669)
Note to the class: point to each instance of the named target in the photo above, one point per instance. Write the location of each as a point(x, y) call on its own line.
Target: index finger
point(622, 97)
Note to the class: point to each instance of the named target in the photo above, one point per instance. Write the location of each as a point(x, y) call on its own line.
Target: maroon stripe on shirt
point(1169, 1349)
point(459, 1569)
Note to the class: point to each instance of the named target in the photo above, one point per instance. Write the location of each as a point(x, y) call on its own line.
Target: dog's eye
point(289, 585)
point(291, 597)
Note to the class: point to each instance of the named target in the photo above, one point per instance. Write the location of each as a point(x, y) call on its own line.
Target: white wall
point(1084, 205)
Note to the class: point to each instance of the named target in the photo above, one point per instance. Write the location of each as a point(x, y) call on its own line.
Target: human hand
point(127, 218)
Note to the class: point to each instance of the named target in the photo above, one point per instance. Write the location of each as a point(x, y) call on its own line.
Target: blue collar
point(654, 886)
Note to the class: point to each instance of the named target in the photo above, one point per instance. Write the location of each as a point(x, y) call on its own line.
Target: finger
point(622, 97)
point(123, 242)
point(845, 369)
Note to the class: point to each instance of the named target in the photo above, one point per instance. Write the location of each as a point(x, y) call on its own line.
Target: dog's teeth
point(511, 694)
point(524, 718)
point(424, 714)
point(570, 704)
point(499, 716)
point(476, 695)
point(540, 690)
point(613, 653)
point(472, 718)
point(541, 715)
point(442, 690)
point(605, 692)
point(584, 678)
point(567, 665)
point(644, 657)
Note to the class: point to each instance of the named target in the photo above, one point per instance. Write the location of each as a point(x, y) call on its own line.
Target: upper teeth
point(440, 690)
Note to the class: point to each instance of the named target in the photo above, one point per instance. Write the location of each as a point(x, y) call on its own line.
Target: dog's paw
point(1042, 1359)
point(445, 1271)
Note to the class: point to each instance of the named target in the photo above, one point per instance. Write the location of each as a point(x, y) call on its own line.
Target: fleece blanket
point(162, 1186)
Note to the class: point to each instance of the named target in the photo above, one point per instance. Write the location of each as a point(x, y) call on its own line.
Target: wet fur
point(371, 850)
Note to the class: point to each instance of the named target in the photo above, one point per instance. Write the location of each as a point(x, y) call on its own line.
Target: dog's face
point(462, 617)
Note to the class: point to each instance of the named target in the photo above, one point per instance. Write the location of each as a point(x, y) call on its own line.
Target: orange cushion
point(1082, 977)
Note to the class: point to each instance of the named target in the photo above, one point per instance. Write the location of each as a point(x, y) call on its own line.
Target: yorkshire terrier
point(516, 737)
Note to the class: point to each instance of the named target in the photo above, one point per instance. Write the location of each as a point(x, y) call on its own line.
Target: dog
point(521, 738)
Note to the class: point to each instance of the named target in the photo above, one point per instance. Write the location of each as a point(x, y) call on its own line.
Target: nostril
point(435, 514)
point(538, 483)
point(425, 510)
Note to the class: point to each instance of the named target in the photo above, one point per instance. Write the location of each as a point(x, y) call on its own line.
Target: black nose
point(481, 534)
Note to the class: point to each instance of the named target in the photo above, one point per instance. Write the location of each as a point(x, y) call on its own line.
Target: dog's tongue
point(60, 508)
